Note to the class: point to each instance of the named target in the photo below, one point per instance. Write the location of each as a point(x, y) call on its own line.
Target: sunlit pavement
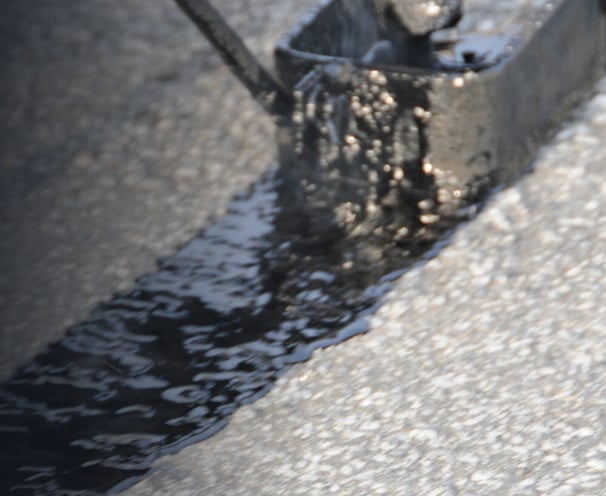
point(483, 372)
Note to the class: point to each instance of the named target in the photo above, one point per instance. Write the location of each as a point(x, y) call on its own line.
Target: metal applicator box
point(372, 123)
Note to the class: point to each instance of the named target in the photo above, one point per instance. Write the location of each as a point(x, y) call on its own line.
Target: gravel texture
point(483, 372)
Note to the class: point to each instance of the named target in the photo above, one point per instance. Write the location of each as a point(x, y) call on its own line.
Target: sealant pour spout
point(260, 83)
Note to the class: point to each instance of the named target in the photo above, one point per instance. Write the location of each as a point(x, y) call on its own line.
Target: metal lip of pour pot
point(379, 117)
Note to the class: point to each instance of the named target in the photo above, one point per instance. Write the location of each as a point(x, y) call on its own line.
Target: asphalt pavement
point(483, 372)
point(484, 369)
point(123, 134)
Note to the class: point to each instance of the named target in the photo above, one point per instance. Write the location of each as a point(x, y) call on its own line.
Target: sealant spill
point(296, 264)
point(166, 363)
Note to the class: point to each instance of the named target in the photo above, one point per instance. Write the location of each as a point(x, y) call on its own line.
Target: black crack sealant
point(164, 364)
point(297, 263)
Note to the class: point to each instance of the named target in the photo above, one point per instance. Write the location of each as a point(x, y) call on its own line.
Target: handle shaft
point(259, 82)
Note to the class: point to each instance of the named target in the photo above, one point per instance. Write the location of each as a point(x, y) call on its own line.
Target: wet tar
point(297, 263)
point(164, 364)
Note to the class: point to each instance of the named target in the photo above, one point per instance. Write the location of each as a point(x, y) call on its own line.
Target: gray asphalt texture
point(484, 370)
point(123, 134)
point(483, 373)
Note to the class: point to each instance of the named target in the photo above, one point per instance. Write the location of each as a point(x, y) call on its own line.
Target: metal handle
point(262, 85)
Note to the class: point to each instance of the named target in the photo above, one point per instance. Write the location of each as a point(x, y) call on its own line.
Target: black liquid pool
point(164, 364)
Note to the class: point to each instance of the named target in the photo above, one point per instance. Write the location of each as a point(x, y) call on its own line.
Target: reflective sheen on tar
point(164, 364)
